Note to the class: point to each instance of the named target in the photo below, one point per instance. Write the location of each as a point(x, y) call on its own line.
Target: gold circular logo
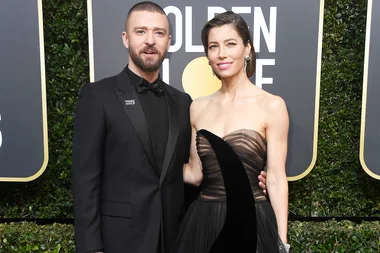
point(198, 80)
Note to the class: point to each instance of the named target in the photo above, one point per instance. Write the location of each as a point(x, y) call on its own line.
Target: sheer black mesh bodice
point(231, 213)
point(250, 147)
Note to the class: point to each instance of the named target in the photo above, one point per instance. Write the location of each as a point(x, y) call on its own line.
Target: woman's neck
point(235, 86)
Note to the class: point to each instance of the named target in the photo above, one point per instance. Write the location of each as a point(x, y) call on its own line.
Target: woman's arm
point(192, 171)
point(277, 143)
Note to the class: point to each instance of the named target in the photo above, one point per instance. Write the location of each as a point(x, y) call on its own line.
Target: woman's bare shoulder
point(199, 103)
point(272, 102)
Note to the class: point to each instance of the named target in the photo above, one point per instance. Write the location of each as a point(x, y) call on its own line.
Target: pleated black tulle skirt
point(204, 221)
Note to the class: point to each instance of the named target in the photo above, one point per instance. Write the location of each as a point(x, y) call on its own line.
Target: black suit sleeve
point(188, 132)
point(87, 160)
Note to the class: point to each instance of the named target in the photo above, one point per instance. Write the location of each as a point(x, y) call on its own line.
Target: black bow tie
point(156, 87)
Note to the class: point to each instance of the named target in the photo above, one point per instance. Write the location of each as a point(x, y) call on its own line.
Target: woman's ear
point(248, 48)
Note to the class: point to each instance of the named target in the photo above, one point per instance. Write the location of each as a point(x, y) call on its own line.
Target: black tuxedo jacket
point(121, 202)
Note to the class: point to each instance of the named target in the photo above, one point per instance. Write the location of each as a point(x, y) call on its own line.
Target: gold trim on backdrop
point(317, 96)
point(364, 96)
point(44, 110)
point(90, 41)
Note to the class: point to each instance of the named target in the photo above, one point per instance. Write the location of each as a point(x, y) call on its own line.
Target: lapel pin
point(129, 102)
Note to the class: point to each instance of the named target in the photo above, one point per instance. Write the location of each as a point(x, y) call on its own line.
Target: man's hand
point(263, 178)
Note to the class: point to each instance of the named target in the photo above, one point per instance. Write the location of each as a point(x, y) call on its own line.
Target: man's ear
point(124, 37)
point(170, 40)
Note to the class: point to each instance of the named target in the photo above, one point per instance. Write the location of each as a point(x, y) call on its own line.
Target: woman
point(240, 130)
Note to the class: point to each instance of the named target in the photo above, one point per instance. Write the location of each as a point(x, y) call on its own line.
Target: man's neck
point(149, 76)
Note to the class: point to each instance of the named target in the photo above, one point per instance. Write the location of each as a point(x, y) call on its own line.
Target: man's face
point(147, 39)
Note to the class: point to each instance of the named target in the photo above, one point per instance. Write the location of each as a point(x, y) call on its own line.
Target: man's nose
point(149, 39)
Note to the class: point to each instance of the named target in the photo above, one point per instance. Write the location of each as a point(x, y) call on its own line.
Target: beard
point(146, 65)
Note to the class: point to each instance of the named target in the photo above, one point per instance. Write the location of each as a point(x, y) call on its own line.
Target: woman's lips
point(224, 65)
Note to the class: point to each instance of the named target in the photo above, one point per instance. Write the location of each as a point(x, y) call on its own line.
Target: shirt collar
point(137, 80)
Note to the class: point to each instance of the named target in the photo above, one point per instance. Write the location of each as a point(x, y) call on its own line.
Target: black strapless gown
point(231, 213)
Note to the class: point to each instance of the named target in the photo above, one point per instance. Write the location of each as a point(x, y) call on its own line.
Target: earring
point(246, 59)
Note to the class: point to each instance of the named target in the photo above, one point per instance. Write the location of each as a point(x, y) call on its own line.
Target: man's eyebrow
point(160, 28)
point(154, 28)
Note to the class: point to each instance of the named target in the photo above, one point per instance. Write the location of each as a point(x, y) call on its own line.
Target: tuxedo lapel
point(173, 112)
point(132, 107)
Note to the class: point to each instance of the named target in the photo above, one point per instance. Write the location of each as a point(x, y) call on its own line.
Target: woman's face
point(226, 51)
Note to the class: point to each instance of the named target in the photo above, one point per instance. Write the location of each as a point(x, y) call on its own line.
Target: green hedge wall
point(29, 237)
point(337, 186)
point(304, 237)
point(66, 56)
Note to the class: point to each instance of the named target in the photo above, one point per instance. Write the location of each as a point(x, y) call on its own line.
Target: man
point(131, 138)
